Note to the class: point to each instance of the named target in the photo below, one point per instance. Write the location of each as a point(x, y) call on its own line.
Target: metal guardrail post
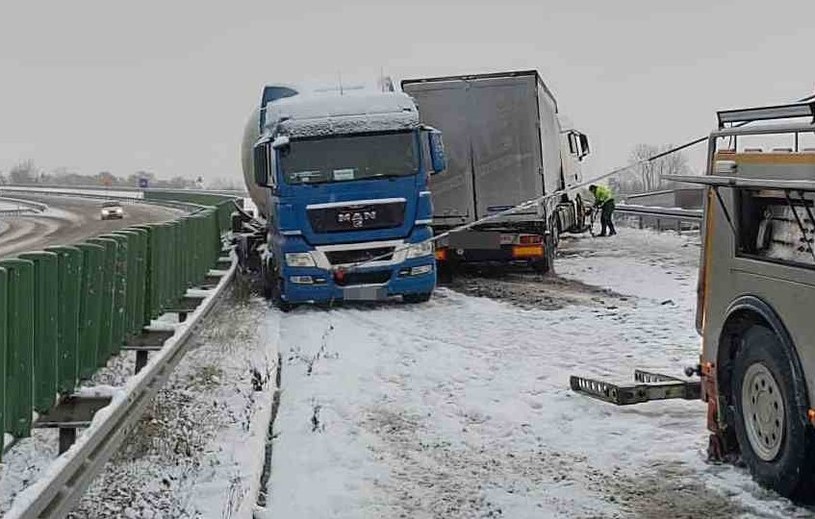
point(20, 346)
point(45, 329)
point(69, 286)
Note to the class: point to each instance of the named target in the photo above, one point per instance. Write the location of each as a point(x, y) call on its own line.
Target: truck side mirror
point(437, 158)
point(584, 145)
point(263, 164)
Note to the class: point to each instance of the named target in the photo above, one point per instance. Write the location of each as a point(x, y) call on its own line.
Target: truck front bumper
point(312, 284)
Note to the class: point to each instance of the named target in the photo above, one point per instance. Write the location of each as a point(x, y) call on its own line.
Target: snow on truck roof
point(314, 115)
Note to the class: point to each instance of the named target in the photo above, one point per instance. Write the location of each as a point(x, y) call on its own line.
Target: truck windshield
point(349, 157)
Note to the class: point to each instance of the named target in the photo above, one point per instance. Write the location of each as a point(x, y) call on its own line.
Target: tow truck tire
point(777, 442)
point(422, 297)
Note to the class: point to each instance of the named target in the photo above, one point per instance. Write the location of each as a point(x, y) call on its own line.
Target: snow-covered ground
point(461, 407)
point(199, 449)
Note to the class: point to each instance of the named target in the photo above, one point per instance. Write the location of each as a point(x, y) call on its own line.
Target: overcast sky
point(167, 86)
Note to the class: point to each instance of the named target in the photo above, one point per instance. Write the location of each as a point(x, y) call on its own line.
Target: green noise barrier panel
point(66, 310)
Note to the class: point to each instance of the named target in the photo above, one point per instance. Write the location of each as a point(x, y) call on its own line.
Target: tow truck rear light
point(441, 254)
point(527, 251)
point(530, 239)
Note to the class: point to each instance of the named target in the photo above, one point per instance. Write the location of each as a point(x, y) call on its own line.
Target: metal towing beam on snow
point(650, 386)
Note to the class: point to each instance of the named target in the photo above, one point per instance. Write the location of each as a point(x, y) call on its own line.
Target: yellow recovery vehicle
point(756, 300)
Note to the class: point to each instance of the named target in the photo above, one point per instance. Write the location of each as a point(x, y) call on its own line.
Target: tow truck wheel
point(777, 442)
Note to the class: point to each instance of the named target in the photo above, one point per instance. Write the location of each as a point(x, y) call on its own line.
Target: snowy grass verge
point(62, 483)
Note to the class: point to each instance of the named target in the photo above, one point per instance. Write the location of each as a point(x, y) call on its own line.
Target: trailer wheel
point(546, 265)
point(775, 437)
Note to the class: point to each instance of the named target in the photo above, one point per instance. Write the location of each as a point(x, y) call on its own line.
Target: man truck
point(505, 145)
point(755, 297)
point(341, 180)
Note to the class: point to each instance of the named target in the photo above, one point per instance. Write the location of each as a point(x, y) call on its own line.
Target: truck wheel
point(267, 277)
point(444, 272)
point(276, 291)
point(776, 440)
point(546, 264)
point(540, 266)
point(416, 298)
point(272, 288)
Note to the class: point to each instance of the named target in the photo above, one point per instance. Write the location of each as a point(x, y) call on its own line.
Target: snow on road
point(461, 407)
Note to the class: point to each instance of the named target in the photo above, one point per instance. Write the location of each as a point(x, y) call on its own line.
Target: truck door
point(505, 144)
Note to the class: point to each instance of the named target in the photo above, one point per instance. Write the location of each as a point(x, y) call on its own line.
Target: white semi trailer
point(505, 144)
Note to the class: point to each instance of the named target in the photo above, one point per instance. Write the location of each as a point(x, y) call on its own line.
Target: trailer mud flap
point(650, 386)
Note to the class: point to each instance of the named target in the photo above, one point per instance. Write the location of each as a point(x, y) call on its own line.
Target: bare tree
point(647, 176)
point(24, 173)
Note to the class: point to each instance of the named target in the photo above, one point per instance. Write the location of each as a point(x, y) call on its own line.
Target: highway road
point(69, 220)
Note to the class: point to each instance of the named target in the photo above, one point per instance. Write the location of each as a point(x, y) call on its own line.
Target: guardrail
point(662, 217)
point(64, 311)
point(184, 200)
point(25, 206)
point(222, 192)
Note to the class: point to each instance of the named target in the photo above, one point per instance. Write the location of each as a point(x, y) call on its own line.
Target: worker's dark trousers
point(606, 211)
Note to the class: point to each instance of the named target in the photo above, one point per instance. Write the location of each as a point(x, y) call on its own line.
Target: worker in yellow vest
point(604, 200)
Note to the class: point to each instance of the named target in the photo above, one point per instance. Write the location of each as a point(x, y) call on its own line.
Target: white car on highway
point(112, 210)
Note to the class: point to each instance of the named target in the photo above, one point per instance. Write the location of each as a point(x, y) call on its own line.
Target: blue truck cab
point(345, 195)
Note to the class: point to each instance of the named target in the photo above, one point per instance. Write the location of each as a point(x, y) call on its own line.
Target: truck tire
point(276, 292)
point(267, 279)
point(546, 264)
point(580, 217)
point(777, 442)
point(444, 272)
point(272, 286)
point(422, 297)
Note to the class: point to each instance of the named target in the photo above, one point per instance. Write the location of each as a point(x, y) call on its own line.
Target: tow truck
point(756, 293)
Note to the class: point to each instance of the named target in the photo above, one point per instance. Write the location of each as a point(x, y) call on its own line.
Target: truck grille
point(357, 217)
point(342, 257)
point(375, 277)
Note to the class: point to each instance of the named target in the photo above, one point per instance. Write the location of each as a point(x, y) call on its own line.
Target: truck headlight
point(299, 259)
point(418, 250)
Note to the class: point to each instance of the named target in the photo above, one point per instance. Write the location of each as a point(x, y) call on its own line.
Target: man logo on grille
point(356, 220)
